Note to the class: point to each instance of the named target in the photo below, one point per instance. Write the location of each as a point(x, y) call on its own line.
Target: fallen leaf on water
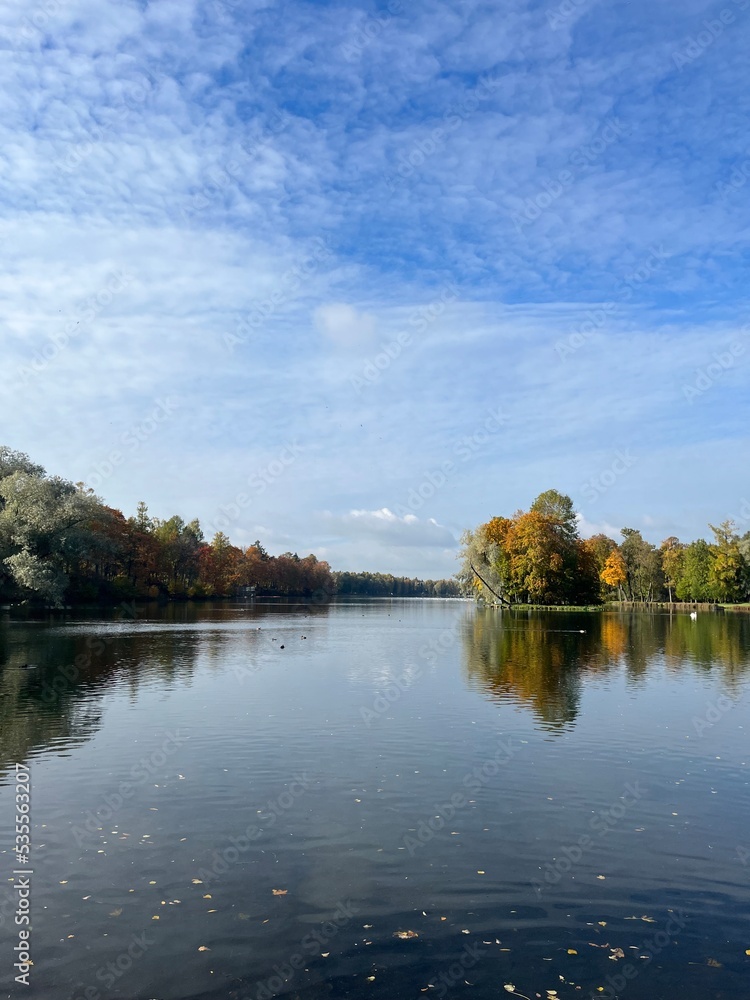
point(208, 896)
point(747, 951)
point(117, 912)
point(371, 979)
point(572, 951)
point(196, 881)
point(204, 948)
point(64, 883)
point(155, 918)
point(602, 923)
point(601, 876)
point(405, 935)
point(465, 932)
point(649, 920)
point(714, 964)
point(279, 892)
point(324, 954)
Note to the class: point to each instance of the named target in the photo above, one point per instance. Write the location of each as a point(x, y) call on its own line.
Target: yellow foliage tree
point(614, 575)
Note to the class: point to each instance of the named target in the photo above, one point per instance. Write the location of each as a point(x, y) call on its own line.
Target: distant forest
point(59, 543)
point(537, 557)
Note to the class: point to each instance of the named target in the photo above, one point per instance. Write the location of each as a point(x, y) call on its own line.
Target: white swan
point(694, 615)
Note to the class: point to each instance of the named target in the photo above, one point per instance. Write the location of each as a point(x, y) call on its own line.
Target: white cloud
point(345, 326)
point(390, 529)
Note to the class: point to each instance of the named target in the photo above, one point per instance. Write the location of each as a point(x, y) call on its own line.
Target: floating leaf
point(196, 881)
point(405, 935)
point(279, 892)
point(714, 964)
point(117, 912)
point(572, 951)
point(204, 948)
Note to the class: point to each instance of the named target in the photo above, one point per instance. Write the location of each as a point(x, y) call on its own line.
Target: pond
point(378, 799)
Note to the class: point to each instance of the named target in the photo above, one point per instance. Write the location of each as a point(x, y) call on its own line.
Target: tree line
point(60, 543)
point(387, 585)
point(538, 557)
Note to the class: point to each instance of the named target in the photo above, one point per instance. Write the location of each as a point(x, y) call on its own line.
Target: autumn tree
point(725, 574)
point(614, 572)
point(672, 553)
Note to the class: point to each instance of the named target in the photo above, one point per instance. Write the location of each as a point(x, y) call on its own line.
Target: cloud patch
point(390, 529)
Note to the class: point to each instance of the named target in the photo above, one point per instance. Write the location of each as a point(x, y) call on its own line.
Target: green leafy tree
point(694, 584)
point(672, 553)
point(726, 573)
point(45, 531)
point(642, 566)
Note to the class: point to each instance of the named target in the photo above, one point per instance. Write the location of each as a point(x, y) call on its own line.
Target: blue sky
point(351, 279)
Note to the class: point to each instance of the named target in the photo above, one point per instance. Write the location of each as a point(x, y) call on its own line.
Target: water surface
point(557, 802)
